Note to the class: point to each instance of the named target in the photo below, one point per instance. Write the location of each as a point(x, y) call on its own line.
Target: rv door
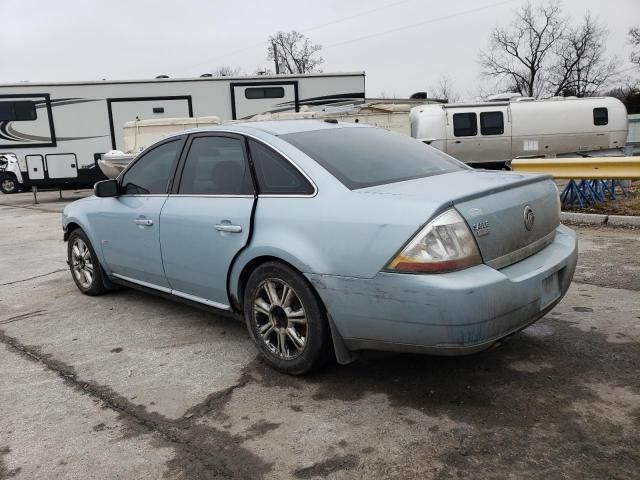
point(480, 135)
point(123, 110)
point(251, 98)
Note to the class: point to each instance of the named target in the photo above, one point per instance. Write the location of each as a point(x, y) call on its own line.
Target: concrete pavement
point(129, 385)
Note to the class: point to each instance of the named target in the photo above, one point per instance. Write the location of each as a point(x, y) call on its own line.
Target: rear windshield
point(364, 157)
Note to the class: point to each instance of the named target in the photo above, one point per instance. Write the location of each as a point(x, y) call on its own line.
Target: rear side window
point(491, 123)
point(362, 157)
point(275, 174)
point(264, 92)
point(150, 174)
point(216, 166)
point(465, 124)
point(600, 116)
point(18, 111)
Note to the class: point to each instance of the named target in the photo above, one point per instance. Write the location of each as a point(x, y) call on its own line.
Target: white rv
point(501, 130)
point(52, 134)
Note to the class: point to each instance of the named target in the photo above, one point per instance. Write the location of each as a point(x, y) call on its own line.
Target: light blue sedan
point(328, 238)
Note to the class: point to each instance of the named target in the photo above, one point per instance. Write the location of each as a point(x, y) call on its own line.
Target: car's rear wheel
point(286, 320)
point(84, 264)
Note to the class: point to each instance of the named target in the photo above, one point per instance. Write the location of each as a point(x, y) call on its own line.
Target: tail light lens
point(445, 244)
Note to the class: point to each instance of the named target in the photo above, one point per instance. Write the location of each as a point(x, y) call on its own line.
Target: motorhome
point(512, 127)
point(52, 134)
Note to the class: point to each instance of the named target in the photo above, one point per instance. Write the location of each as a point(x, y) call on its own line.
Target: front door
point(207, 219)
point(128, 225)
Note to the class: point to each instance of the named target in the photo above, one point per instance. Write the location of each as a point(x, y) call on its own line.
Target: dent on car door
point(206, 220)
point(128, 225)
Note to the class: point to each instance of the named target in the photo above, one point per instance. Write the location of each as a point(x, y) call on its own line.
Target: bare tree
point(521, 54)
point(293, 52)
point(629, 94)
point(581, 68)
point(634, 39)
point(444, 90)
point(226, 71)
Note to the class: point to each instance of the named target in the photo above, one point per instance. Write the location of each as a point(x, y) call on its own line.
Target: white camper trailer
point(497, 131)
point(54, 133)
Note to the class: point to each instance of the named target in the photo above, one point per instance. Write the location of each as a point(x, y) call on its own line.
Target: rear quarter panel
point(335, 233)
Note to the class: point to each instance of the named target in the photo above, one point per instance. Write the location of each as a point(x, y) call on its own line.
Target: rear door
point(123, 110)
point(207, 218)
point(495, 134)
point(251, 98)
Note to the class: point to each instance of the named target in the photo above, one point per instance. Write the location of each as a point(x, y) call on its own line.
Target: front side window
point(276, 175)
point(465, 125)
point(361, 157)
point(600, 116)
point(216, 166)
point(491, 123)
point(150, 174)
point(21, 111)
point(264, 92)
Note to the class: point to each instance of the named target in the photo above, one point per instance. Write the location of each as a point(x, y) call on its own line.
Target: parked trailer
point(56, 132)
point(497, 131)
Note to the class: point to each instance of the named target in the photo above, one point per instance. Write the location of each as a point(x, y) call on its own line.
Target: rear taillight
point(445, 244)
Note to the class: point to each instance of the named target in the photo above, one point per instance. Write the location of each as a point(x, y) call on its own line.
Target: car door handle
point(143, 221)
point(228, 227)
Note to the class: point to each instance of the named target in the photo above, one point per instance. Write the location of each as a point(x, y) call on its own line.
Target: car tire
point(286, 320)
point(8, 184)
point(84, 264)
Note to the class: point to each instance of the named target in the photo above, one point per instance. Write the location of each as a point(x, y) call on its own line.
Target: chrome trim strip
point(522, 253)
point(211, 303)
point(143, 195)
point(144, 284)
point(193, 298)
point(209, 196)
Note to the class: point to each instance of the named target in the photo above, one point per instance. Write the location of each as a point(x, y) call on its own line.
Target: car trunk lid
point(511, 215)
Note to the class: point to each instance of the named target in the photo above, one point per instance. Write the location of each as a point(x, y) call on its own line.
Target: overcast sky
point(403, 46)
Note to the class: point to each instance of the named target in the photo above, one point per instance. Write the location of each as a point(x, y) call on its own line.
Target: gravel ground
point(129, 385)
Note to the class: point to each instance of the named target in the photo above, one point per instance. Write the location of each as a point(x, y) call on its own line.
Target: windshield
point(364, 157)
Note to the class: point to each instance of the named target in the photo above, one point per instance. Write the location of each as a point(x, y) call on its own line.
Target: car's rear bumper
point(453, 313)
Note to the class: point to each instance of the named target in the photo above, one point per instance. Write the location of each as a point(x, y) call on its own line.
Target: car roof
point(277, 127)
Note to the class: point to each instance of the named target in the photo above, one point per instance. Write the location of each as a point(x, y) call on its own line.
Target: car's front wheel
point(84, 265)
point(286, 320)
point(8, 184)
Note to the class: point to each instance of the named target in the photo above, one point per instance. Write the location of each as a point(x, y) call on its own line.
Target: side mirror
point(106, 188)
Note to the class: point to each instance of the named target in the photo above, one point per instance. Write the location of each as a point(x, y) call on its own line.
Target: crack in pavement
point(23, 316)
point(37, 209)
point(201, 451)
point(13, 282)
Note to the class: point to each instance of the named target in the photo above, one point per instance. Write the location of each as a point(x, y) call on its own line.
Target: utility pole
point(275, 57)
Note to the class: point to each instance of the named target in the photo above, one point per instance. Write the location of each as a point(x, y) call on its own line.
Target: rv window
point(276, 175)
point(216, 166)
point(17, 111)
point(491, 123)
point(150, 174)
point(600, 116)
point(264, 92)
point(465, 124)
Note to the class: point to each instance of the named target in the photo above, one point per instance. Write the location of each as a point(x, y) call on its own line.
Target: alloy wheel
point(280, 318)
point(82, 263)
